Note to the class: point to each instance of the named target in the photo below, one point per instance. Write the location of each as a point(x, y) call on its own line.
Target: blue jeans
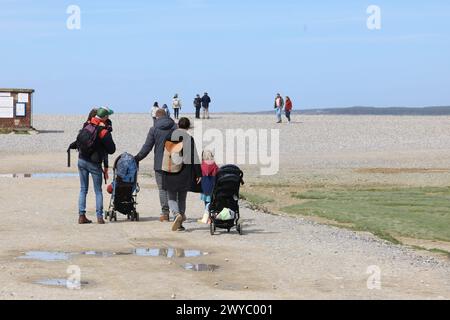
point(177, 202)
point(278, 112)
point(85, 168)
point(163, 196)
point(288, 115)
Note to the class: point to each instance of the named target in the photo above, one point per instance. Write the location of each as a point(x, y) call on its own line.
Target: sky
point(128, 54)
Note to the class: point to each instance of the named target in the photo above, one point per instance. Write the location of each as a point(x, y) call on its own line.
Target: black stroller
point(125, 188)
point(226, 196)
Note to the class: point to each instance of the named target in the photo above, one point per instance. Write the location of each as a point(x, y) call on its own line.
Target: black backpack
point(86, 139)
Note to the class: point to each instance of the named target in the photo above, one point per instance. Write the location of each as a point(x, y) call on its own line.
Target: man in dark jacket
point(198, 106)
point(206, 100)
point(91, 163)
point(156, 138)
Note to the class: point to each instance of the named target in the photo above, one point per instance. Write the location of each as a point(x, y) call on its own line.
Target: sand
point(276, 258)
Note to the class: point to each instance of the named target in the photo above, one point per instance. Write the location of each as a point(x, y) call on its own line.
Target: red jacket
point(209, 168)
point(288, 106)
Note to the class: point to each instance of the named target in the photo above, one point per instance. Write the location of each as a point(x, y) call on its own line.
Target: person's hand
point(106, 174)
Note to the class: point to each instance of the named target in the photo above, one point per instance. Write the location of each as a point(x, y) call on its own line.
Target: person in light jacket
point(176, 105)
point(153, 111)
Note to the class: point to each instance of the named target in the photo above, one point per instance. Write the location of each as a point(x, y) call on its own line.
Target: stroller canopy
point(126, 168)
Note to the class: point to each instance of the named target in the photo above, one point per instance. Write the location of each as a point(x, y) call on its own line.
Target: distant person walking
point(154, 109)
point(188, 179)
point(206, 101)
point(166, 109)
point(288, 109)
point(176, 104)
point(95, 142)
point(198, 106)
point(279, 105)
point(156, 138)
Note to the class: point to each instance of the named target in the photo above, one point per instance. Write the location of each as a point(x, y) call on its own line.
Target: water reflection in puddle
point(140, 252)
point(200, 267)
point(39, 175)
point(168, 253)
point(62, 283)
point(46, 256)
point(99, 254)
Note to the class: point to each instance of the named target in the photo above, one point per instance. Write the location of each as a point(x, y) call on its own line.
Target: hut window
point(21, 109)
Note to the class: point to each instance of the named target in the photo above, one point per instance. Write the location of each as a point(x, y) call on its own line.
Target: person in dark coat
point(206, 101)
point(91, 164)
point(198, 106)
point(188, 179)
point(156, 138)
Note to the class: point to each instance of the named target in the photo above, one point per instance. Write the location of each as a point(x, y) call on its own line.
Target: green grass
point(255, 199)
point(440, 251)
point(422, 213)
point(434, 250)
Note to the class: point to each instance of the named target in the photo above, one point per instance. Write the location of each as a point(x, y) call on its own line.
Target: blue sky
point(130, 53)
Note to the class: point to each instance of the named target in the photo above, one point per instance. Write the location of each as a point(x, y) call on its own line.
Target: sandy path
point(277, 258)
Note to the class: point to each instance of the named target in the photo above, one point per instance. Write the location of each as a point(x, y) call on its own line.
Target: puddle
point(62, 283)
point(39, 175)
point(168, 253)
point(140, 252)
point(101, 254)
point(200, 267)
point(46, 256)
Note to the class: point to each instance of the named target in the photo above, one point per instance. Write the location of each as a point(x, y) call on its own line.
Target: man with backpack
point(206, 100)
point(156, 139)
point(94, 144)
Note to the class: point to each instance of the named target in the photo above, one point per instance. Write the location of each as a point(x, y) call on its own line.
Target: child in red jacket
point(209, 172)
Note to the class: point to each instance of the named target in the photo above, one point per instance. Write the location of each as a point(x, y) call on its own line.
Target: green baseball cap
point(104, 112)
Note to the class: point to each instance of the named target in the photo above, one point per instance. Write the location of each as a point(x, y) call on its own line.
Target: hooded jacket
point(156, 138)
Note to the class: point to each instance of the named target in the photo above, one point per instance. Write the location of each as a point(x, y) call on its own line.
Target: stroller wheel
point(212, 228)
point(137, 216)
point(111, 215)
point(228, 230)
